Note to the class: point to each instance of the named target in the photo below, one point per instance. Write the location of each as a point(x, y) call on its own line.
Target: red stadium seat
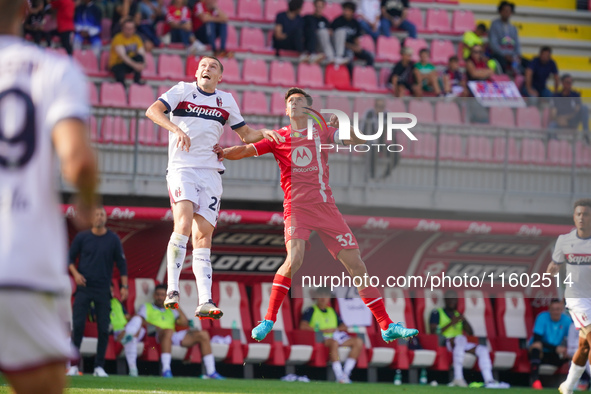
point(513, 315)
point(462, 21)
point(447, 113)
point(533, 151)
point(94, 137)
point(361, 105)
point(415, 16)
point(87, 59)
point(583, 154)
point(92, 93)
point(253, 40)
point(500, 78)
point(310, 76)
point(441, 50)
point(560, 152)
point(416, 44)
point(340, 103)
point(425, 148)
point(250, 10)
point(232, 39)
point(104, 61)
point(308, 8)
point(106, 30)
point(114, 130)
point(162, 135)
point(147, 132)
point(367, 43)
point(141, 96)
point(501, 117)
point(384, 75)
point(171, 67)
point(423, 110)
point(529, 118)
point(282, 73)
point(228, 7)
point(499, 148)
point(437, 21)
point(141, 290)
point(255, 71)
point(450, 147)
point(479, 149)
point(332, 11)
point(272, 8)
point(388, 49)
point(254, 103)
point(193, 64)
point(278, 103)
point(231, 71)
point(113, 95)
point(149, 71)
point(365, 78)
point(337, 77)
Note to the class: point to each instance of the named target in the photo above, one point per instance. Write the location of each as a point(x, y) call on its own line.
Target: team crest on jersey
point(584, 316)
point(178, 192)
point(290, 230)
point(194, 96)
point(218, 100)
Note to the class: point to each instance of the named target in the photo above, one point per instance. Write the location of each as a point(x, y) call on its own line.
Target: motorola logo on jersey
point(301, 156)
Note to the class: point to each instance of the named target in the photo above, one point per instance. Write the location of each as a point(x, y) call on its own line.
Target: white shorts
point(203, 187)
point(580, 311)
point(35, 333)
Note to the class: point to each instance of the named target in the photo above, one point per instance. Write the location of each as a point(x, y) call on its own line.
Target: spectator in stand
point(34, 23)
point(322, 318)
point(317, 36)
point(537, 73)
point(148, 13)
point(477, 68)
point(426, 75)
point(394, 16)
point(548, 344)
point(452, 325)
point(504, 40)
point(181, 28)
point(64, 10)
point(568, 111)
point(127, 54)
point(122, 9)
point(88, 25)
point(454, 80)
point(401, 78)
point(369, 16)
point(346, 37)
point(211, 23)
point(472, 38)
point(289, 29)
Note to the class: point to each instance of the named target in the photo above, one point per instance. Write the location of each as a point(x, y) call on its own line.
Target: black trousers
point(121, 69)
point(102, 305)
point(66, 41)
point(293, 42)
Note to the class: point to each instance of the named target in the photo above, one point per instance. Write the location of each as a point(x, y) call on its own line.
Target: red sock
point(281, 285)
point(374, 301)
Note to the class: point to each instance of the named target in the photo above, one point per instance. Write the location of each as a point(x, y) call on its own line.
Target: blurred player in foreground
point(197, 115)
point(43, 108)
point(309, 206)
point(574, 249)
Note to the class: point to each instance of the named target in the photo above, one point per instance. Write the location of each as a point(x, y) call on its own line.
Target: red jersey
point(64, 10)
point(199, 9)
point(177, 14)
point(304, 167)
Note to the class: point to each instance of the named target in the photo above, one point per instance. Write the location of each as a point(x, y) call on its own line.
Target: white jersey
point(202, 117)
point(576, 253)
point(37, 90)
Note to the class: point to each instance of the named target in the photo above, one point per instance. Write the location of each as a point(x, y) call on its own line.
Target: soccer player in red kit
point(309, 206)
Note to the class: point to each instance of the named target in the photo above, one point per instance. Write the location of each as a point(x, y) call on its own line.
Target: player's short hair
point(503, 4)
point(349, 5)
point(453, 58)
point(127, 20)
point(482, 26)
point(214, 58)
point(160, 286)
point(295, 5)
point(545, 48)
point(583, 202)
point(10, 10)
point(556, 300)
point(291, 91)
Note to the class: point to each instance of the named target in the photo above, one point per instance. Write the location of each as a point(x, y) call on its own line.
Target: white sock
point(133, 325)
point(131, 354)
point(349, 365)
point(203, 273)
point(458, 356)
point(484, 363)
point(175, 257)
point(574, 374)
point(165, 359)
point(337, 367)
point(209, 362)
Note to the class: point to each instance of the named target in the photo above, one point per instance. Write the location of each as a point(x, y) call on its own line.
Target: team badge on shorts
point(218, 100)
point(290, 230)
point(178, 192)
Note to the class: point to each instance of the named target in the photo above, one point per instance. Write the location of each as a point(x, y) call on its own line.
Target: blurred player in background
point(574, 249)
point(197, 113)
point(43, 108)
point(309, 206)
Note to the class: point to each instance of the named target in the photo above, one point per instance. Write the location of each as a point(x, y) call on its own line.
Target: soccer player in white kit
point(197, 112)
point(43, 109)
point(574, 249)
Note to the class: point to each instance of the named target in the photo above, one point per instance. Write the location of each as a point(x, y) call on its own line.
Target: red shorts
point(326, 220)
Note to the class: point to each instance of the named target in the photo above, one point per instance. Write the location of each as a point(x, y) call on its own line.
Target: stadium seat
point(450, 147)
point(338, 102)
point(113, 95)
point(254, 103)
point(499, 148)
point(415, 16)
point(140, 96)
point(529, 118)
point(332, 11)
point(423, 110)
point(87, 59)
point(425, 149)
point(361, 105)
point(441, 50)
point(278, 104)
point(501, 117)
point(560, 153)
point(228, 7)
point(583, 154)
point(92, 93)
point(513, 315)
point(250, 10)
point(255, 71)
point(388, 49)
point(416, 44)
point(367, 43)
point(308, 8)
point(118, 133)
point(533, 151)
point(232, 39)
point(94, 136)
point(106, 30)
point(424, 303)
point(171, 67)
point(437, 21)
point(192, 65)
point(479, 148)
point(104, 61)
point(272, 8)
point(141, 290)
point(149, 71)
point(447, 113)
point(462, 21)
point(231, 71)
point(337, 77)
point(282, 73)
point(366, 79)
point(253, 40)
point(310, 76)
point(147, 132)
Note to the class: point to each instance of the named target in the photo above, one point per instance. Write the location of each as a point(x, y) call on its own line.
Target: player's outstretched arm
point(239, 152)
point(553, 268)
point(248, 135)
point(353, 139)
point(156, 113)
